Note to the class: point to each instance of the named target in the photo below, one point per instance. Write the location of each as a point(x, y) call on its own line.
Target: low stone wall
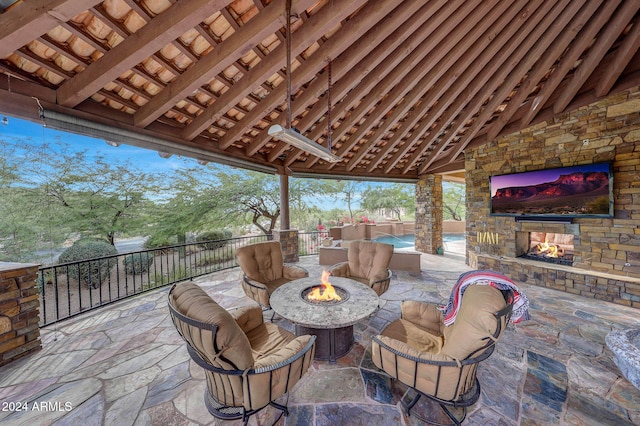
point(356, 232)
point(19, 311)
point(391, 228)
point(369, 231)
point(454, 227)
point(400, 261)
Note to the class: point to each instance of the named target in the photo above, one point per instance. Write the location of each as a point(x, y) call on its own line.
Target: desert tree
point(97, 196)
point(397, 198)
point(453, 201)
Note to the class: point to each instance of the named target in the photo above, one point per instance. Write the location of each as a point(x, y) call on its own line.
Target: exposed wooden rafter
point(414, 83)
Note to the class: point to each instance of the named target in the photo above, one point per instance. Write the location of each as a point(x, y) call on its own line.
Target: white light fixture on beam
point(291, 137)
point(287, 134)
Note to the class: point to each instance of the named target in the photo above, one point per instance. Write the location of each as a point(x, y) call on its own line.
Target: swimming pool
point(406, 241)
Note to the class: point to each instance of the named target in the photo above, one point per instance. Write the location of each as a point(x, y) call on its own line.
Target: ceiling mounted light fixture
point(294, 138)
point(287, 134)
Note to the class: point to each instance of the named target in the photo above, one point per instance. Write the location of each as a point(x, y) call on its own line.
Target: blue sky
point(145, 159)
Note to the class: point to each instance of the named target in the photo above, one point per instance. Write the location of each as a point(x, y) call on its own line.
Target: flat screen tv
point(565, 192)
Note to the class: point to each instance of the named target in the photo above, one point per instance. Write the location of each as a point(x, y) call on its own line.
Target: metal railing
point(310, 242)
point(68, 289)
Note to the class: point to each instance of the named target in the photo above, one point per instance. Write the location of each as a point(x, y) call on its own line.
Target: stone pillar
point(19, 311)
point(289, 240)
point(429, 214)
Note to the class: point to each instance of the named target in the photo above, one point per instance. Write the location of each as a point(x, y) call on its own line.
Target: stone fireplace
point(601, 256)
point(557, 243)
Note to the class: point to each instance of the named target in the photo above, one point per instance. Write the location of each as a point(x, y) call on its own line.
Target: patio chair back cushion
point(369, 259)
point(262, 262)
point(231, 348)
point(475, 322)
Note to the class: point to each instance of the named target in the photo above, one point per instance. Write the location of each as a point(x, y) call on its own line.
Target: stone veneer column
point(289, 241)
point(19, 311)
point(428, 229)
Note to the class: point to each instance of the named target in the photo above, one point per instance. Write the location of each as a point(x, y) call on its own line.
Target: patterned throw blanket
point(482, 277)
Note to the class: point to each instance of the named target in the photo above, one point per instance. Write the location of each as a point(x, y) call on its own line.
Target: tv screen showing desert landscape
point(567, 191)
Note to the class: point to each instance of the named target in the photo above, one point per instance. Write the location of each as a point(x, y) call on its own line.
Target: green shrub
point(217, 257)
point(137, 263)
point(159, 240)
point(85, 239)
point(94, 272)
point(179, 273)
point(212, 240)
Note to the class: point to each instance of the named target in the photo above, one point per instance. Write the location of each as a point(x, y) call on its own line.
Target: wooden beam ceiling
point(413, 84)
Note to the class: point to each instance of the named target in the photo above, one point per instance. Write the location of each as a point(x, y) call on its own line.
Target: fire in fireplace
point(550, 247)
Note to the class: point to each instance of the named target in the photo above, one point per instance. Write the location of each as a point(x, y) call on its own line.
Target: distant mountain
point(579, 183)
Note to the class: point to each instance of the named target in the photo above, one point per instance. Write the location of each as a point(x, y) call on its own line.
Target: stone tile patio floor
point(125, 364)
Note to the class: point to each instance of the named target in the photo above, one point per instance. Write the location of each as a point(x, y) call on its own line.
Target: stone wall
point(454, 226)
point(607, 251)
point(370, 231)
point(19, 311)
point(428, 228)
point(290, 244)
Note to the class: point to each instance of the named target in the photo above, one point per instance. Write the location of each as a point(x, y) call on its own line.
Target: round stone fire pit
point(331, 322)
point(344, 296)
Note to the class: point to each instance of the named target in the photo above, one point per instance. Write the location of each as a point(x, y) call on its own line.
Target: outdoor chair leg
point(406, 407)
point(280, 407)
point(453, 418)
point(273, 313)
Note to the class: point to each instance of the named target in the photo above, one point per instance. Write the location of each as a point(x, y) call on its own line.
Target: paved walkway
point(126, 365)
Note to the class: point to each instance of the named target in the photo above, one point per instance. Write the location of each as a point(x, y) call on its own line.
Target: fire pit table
point(332, 322)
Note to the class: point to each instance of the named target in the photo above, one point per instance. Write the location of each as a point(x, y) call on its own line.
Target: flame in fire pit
point(549, 250)
point(324, 292)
